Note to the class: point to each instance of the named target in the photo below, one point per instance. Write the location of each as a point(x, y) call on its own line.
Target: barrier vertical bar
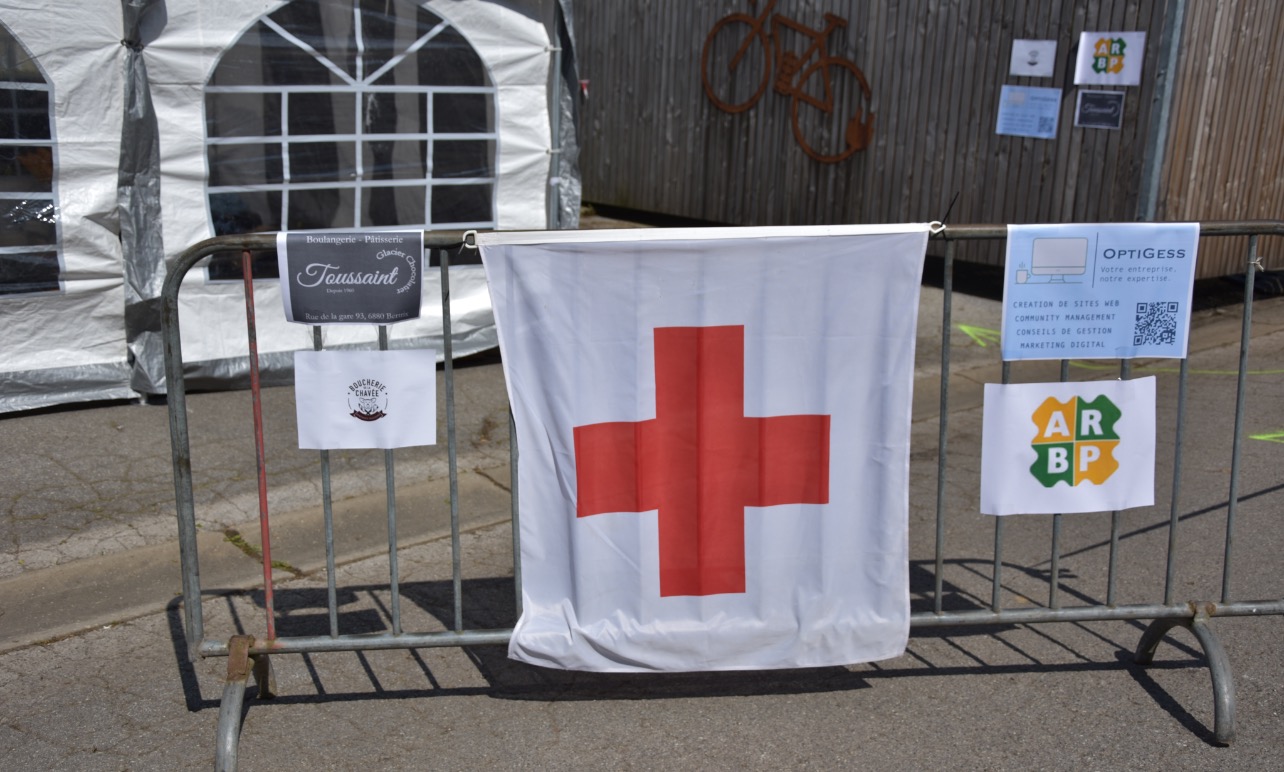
point(947, 310)
point(181, 450)
point(1245, 337)
point(247, 278)
point(1054, 577)
point(1125, 372)
point(327, 506)
point(456, 561)
point(998, 524)
point(390, 484)
point(1173, 517)
point(517, 523)
point(1054, 572)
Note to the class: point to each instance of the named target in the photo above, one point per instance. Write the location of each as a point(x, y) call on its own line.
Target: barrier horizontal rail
point(922, 619)
point(250, 654)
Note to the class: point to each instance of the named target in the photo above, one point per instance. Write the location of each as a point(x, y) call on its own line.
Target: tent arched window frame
point(356, 128)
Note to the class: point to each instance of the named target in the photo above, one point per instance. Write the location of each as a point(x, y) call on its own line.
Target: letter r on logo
point(1090, 423)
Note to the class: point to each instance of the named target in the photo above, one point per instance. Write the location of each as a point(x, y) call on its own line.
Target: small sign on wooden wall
point(1099, 110)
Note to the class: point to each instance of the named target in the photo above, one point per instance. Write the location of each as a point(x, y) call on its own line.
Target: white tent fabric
point(69, 344)
point(515, 49)
point(72, 344)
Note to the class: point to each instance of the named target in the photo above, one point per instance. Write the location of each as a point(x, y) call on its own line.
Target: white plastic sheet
point(71, 344)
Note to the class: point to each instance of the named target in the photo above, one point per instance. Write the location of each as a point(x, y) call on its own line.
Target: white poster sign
point(366, 399)
point(1033, 58)
point(1105, 291)
point(714, 427)
point(1109, 58)
point(1068, 447)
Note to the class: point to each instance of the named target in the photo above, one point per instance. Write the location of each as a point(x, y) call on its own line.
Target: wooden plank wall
point(652, 140)
point(1226, 154)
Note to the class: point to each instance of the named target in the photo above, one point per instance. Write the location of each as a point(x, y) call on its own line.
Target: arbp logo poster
point(1110, 58)
point(1068, 447)
point(364, 277)
point(1098, 291)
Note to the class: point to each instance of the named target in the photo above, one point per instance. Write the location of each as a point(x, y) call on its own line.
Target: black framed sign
point(1099, 110)
point(357, 277)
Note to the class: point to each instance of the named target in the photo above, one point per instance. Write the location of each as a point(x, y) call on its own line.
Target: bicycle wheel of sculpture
point(735, 64)
point(830, 110)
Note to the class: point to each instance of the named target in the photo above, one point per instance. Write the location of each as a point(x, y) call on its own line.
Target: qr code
point(1156, 324)
point(1046, 125)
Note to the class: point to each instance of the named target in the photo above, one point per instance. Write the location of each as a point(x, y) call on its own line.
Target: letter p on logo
point(1087, 455)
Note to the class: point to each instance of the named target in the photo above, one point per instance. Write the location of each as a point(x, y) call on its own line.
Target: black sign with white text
point(351, 278)
point(1099, 110)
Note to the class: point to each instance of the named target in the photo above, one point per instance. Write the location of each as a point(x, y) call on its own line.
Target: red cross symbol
point(701, 461)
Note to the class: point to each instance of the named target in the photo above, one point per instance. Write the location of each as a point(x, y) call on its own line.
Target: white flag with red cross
point(713, 436)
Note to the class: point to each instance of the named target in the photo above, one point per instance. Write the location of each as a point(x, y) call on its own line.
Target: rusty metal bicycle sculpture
point(731, 57)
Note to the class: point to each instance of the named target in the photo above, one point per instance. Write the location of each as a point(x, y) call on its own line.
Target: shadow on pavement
point(489, 603)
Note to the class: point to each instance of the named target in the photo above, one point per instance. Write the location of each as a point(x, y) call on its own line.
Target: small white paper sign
point(1051, 448)
point(366, 399)
point(1033, 58)
point(1110, 58)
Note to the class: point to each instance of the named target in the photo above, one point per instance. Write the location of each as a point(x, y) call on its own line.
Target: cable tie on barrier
point(470, 239)
point(935, 227)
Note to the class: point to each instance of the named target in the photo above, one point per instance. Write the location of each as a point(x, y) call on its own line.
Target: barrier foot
point(264, 676)
point(1218, 667)
point(229, 709)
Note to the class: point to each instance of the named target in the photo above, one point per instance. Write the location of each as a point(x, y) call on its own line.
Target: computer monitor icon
point(1059, 258)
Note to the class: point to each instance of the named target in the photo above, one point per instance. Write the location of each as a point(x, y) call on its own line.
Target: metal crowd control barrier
point(250, 654)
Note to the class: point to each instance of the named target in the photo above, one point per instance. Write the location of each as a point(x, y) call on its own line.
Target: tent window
point(28, 217)
point(348, 114)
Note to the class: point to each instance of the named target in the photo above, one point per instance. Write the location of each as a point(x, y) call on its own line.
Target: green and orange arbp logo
point(1075, 441)
point(1108, 55)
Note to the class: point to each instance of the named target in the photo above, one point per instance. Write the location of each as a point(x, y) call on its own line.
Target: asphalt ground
point(93, 664)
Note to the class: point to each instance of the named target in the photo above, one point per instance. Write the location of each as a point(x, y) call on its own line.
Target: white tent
point(133, 129)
